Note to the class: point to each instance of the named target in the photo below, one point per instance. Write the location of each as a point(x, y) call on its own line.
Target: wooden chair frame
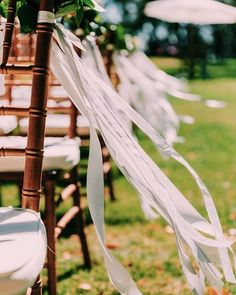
point(32, 176)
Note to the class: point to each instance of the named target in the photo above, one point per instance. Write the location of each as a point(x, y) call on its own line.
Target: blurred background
point(197, 46)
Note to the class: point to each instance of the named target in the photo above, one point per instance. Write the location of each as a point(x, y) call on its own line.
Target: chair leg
point(36, 289)
point(79, 220)
point(20, 187)
point(0, 195)
point(109, 179)
point(50, 220)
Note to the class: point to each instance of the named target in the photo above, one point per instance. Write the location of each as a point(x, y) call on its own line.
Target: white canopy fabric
point(201, 12)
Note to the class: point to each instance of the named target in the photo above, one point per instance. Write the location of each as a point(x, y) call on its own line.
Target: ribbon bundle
point(102, 106)
point(92, 58)
point(149, 100)
point(2, 82)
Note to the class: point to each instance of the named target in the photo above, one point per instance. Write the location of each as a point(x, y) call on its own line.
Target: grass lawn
point(148, 249)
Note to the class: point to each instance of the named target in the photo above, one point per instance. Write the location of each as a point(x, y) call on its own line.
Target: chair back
point(27, 221)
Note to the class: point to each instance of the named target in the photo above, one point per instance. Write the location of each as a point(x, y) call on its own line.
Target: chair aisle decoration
point(94, 98)
point(103, 108)
point(93, 59)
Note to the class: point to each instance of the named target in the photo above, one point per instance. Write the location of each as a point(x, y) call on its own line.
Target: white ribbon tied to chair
point(167, 83)
point(150, 102)
point(102, 106)
point(2, 33)
point(92, 58)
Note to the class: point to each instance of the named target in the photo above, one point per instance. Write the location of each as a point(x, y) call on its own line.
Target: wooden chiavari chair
point(34, 151)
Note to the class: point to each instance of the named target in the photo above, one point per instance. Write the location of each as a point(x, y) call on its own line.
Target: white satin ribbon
point(2, 77)
point(167, 83)
point(92, 58)
point(156, 74)
point(148, 100)
point(94, 99)
point(46, 17)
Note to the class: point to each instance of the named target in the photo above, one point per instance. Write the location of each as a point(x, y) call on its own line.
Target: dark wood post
point(37, 115)
point(50, 220)
point(9, 31)
point(73, 121)
point(31, 191)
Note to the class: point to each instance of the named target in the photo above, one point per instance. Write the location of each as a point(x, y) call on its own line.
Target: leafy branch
point(27, 11)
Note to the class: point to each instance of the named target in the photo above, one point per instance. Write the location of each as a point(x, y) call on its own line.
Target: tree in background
point(194, 45)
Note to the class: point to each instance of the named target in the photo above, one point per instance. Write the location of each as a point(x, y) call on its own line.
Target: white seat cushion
point(57, 91)
point(23, 247)
point(2, 85)
point(60, 153)
point(25, 103)
point(21, 93)
point(7, 124)
point(21, 97)
point(58, 124)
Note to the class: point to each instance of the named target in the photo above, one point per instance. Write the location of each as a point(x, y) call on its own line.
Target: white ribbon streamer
point(167, 83)
point(2, 77)
point(46, 17)
point(92, 58)
point(149, 101)
point(156, 74)
point(94, 98)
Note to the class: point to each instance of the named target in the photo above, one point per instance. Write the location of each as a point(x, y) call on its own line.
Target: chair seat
point(25, 103)
point(23, 247)
point(60, 153)
point(21, 97)
point(2, 85)
point(21, 93)
point(7, 124)
point(58, 124)
point(58, 91)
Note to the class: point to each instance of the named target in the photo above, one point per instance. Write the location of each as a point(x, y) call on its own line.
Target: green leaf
point(6, 2)
point(66, 10)
point(79, 4)
point(96, 6)
point(79, 15)
point(89, 3)
point(3, 10)
point(28, 18)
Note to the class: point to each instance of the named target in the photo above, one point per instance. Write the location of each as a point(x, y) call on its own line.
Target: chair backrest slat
point(9, 31)
point(37, 115)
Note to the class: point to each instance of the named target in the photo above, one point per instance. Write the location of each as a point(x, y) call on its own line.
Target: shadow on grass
point(71, 272)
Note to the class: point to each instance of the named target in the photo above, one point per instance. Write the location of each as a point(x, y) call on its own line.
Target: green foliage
point(3, 10)
point(111, 35)
point(28, 18)
point(27, 11)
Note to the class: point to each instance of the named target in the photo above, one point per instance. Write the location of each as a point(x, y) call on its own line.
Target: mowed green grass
point(147, 249)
